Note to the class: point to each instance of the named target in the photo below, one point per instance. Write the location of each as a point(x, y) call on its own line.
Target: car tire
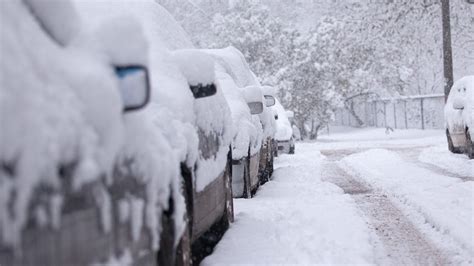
point(247, 186)
point(183, 251)
point(229, 199)
point(292, 150)
point(184, 256)
point(450, 144)
point(166, 254)
point(470, 145)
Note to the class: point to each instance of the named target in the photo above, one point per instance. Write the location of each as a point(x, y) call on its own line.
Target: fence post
point(422, 115)
point(385, 114)
point(375, 114)
point(406, 118)
point(395, 114)
point(349, 118)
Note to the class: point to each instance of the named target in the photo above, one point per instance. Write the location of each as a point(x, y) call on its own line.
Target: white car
point(284, 130)
point(233, 77)
point(459, 117)
point(253, 134)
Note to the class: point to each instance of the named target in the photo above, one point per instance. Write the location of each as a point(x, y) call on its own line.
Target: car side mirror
point(201, 91)
point(254, 97)
point(269, 100)
point(458, 104)
point(255, 107)
point(134, 85)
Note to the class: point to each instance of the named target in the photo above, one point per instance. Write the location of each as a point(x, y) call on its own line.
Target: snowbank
point(445, 202)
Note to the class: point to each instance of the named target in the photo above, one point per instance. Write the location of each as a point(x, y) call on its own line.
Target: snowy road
point(359, 196)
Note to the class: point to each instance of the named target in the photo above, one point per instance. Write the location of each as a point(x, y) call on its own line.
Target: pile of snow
point(296, 219)
point(444, 202)
point(59, 106)
point(284, 130)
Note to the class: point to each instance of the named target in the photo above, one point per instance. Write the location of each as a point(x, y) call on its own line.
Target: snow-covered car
point(64, 97)
point(268, 149)
point(239, 86)
point(459, 117)
point(196, 127)
point(284, 131)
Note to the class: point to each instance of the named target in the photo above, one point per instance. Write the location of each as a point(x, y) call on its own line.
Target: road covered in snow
point(359, 196)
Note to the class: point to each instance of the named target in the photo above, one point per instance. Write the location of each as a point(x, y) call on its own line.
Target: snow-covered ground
point(359, 196)
point(296, 218)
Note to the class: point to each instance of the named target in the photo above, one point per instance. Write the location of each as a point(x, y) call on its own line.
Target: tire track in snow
point(398, 241)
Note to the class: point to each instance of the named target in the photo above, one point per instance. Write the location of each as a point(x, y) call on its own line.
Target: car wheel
point(450, 144)
point(292, 150)
point(229, 199)
point(470, 145)
point(183, 251)
point(270, 167)
point(247, 188)
point(166, 254)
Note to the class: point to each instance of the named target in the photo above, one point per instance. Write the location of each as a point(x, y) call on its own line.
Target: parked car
point(268, 149)
point(284, 132)
point(459, 117)
point(241, 88)
point(197, 127)
point(207, 182)
point(63, 109)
